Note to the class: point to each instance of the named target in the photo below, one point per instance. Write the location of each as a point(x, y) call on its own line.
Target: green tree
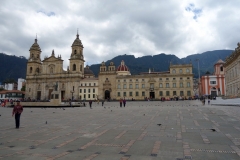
point(23, 88)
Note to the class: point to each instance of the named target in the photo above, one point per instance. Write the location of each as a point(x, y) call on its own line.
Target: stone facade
point(44, 77)
point(232, 68)
point(117, 84)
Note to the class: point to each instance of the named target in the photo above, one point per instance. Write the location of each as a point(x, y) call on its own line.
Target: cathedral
point(44, 75)
point(78, 82)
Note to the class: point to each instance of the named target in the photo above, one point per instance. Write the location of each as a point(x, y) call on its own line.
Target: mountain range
point(161, 62)
point(14, 67)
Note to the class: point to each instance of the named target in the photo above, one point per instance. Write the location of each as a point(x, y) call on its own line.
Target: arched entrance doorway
point(107, 94)
point(213, 92)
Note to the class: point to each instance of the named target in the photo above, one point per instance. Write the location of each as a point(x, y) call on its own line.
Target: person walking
point(102, 102)
point(121, 101)
point(208, 101)
point(70, 102)
point(124, 102)
point(17, 110)
point(90, 104)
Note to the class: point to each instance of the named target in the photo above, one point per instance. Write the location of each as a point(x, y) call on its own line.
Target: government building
point(232, 68)
point(79, 83)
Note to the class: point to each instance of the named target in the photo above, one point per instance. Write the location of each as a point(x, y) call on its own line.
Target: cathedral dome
point(77, 42)
point(122, 67)
point(35, 46)
point(87, 70)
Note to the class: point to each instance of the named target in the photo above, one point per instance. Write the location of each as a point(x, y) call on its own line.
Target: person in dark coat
point(124, 102)
point(90, 104)
point(102, 102)
point(17, 110)
point(121, 101)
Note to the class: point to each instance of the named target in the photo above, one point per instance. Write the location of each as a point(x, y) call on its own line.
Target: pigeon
point(213, 130)
point(144, 114)
point(46, 122)
point(0, 114)
point(31, 111)
point(63, 109)
point(159, 124)
point(53, 112)
point(111, 110)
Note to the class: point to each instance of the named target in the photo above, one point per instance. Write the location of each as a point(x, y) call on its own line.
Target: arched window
point(51, 70)
point(80, 67)
point(37, 70)
point(75, 51)
point(180, 71)
point(74, 67)
point(221, 68)
point(30, 70)
point(187, 70)
point(32, 55)
point(173, 71)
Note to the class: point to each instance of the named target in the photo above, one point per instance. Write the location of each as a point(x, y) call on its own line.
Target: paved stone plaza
point(114, 133)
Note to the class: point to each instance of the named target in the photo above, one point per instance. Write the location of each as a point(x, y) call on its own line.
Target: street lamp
point(198, 70)
point(198, 77)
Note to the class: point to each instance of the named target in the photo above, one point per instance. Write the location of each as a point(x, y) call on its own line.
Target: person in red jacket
point(17, 110)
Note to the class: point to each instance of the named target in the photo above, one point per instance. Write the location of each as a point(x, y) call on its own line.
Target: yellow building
point(119, 83)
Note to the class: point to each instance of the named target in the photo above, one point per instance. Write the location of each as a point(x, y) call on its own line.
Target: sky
point(109, 28)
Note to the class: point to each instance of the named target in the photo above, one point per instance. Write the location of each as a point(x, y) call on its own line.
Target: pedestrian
point(17, 110)
point(102, 102)
point(208, 101)
point(124, 102)
point(90, 104)
point(70, 102)
point(121, 101)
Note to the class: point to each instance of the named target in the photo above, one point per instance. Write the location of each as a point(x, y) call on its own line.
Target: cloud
point(109, 28)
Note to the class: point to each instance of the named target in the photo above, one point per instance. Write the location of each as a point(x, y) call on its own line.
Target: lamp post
point(198, 77)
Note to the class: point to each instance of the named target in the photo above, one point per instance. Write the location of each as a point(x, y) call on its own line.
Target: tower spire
point(36, 38)
point(77, 33)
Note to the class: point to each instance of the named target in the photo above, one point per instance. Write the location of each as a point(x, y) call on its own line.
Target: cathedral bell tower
point(34, 62)
point(77, 59)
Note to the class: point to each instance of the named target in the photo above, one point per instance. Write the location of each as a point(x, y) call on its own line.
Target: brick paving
point(141, 131)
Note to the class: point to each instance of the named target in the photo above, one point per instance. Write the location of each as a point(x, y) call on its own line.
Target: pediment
point(151, 80)
point(51, 59)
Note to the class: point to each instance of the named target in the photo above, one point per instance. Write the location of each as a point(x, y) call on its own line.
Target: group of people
point(204, 101)
point(122, 102)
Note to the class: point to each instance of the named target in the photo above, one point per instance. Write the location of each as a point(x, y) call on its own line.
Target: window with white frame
point(181, 85)
point(130, 86)
point(167, 85)
point(160, 85)
point(174, 85)
point(213, 82)
point(136, 86)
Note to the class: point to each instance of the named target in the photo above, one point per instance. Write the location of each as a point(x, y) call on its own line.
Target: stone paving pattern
point(176, 130)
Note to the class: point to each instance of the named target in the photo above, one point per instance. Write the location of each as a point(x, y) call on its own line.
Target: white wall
point(20, 83)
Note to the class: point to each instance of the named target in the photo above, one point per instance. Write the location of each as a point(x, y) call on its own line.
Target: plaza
point(143, 130)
